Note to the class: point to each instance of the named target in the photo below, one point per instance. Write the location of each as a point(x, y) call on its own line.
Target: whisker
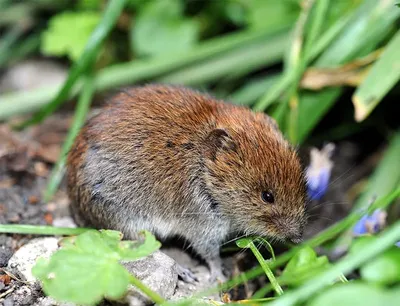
point(231, 240)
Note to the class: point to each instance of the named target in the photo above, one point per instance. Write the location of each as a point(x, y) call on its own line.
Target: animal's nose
point(295, 236)
point(296, 239)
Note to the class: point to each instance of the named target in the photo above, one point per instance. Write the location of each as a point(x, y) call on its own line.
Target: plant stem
point(41, 230)
point(110, 17)
point(346, 265)
point(79, 118)
point(154, 296)
point(266, 269)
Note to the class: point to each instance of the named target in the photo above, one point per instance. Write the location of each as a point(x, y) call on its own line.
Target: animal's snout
point(296, 238)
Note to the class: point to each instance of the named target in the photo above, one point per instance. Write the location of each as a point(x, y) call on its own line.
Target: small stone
point(64, 222)
point(157, 271)
point(25, 258)
point(48, 301)
point(8, 301)
point(5, 255)
point(23, 296)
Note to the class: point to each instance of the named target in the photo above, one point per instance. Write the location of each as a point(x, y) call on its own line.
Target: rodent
point(178, 162)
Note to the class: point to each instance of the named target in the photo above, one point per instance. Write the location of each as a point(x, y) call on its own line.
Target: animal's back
point(127, 158)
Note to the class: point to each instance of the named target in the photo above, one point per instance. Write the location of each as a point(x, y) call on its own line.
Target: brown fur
point(177, 162)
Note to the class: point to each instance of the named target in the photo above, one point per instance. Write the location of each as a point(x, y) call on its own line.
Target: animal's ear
point(219, 140)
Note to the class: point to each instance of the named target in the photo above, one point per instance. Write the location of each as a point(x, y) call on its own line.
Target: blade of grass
point(107, 22)
point(383, 181)
point(239, 61)
point(346, 265)
point(252, 90)
point(8, 40)
point(41, 230)
point(370, 25)
point(315, 18)
point(23, 49)
point(273, 93)
point(79, 118)
point(134, 71)
point(357, 33)
point(387, 70)
point(266, 268)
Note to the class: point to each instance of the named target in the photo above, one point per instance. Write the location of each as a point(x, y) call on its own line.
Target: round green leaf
point(385, 269)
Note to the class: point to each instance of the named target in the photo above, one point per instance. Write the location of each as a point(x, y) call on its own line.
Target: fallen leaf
point(350, 74)
point(5, 279)
point(49, 153)
point(33, 199)
point(48, 217)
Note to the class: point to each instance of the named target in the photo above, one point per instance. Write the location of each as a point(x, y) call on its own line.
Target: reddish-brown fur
point(182, 163)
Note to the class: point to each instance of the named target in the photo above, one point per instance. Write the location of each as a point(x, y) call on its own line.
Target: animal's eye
point(267, 197)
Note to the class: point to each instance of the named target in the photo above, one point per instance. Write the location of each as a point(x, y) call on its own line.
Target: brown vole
point(178, 162)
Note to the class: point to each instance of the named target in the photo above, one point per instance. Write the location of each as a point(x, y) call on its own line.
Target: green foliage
point(91, 261)
point(68, 33)
point(262, 14)
point(304, 265)
point(382, 270)
point(249, 243)
point(160, 28)
point(386, 70)
point(357, 294)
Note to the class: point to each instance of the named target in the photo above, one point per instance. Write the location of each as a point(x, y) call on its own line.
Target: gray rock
point(21, 263)
point(24, 295)
point(158, 272)
point(64, 222)
point(201, 272)
point(24, 75)
point(8, 302)
point(48, 301)
point(5, 255)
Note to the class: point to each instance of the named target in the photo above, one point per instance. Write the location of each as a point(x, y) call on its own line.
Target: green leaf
point(91, 261)
point(387, 70)
point(384, 180)
point(68, 33)
point(303, 265)
point(244, 243)
point(81, 111)
point(370, 24)
point(108, 20)
point(383, 270)
point(356, 294)
point(160, 28)
point(264, 14)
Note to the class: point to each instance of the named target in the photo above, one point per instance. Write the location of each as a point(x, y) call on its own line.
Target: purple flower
point(318, 172)
point(370, 224)
point(397, 244)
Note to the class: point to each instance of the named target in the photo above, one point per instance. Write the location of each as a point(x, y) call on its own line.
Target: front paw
point(217, 276)
point(186, 275)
